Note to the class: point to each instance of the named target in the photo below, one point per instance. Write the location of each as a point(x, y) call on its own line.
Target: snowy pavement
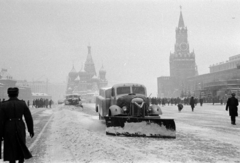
point(204, 135)
point(76, 135)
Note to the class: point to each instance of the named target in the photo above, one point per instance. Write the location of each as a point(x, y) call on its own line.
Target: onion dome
point(95, 78)
point(73, 73)
point(102, 70)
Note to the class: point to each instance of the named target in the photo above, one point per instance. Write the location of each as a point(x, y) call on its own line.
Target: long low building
point(6, 81)
point(223, 79)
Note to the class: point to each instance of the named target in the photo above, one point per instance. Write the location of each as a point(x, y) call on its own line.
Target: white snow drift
point(142, 128)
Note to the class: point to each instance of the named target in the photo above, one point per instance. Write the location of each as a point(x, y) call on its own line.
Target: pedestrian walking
point(232, 104)
point(12, 127)
point(50, 103)
point(213, 100)
point(201, 101)
point(180, 107)
point(192, 103)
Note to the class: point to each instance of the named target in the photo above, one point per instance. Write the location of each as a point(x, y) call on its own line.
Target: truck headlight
point(124, 108)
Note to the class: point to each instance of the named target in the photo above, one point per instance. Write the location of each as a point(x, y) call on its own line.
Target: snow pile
point(142, 128)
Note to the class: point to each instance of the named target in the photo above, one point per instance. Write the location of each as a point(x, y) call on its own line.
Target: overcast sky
point(131, 38)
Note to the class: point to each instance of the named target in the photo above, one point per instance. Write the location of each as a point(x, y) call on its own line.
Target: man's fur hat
point(13, 92)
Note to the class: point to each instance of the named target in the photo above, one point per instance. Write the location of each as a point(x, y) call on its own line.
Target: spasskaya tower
point(182, 65)
point(182, 62)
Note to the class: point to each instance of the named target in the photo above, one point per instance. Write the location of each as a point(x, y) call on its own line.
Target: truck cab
point(126, 111)
point(109, 96)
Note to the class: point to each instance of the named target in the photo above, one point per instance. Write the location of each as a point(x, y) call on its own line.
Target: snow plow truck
point(127, 112)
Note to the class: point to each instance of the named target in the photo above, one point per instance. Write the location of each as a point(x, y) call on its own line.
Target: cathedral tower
point(182, 62)
point(89, 65)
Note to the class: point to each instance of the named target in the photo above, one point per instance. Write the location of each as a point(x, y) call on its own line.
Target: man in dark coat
point(192, 102)
point(232, 104)
point(12, 127)
point(201, 101)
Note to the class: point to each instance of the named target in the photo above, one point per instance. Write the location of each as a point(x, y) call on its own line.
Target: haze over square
point(132, 39)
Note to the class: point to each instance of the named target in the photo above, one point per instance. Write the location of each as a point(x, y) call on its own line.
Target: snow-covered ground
point(79, 137)
point(204, 135)
point(75, 135)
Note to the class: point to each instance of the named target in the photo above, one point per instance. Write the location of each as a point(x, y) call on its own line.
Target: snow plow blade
point(140, 127)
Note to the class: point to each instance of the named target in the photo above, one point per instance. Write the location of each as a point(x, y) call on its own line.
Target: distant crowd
point(38, 103)
point(42, 103)
point(171, 101)
point(184, 101)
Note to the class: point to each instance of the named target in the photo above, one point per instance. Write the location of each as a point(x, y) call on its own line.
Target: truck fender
point(115, 110)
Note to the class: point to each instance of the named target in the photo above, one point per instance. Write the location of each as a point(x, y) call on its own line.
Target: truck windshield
point(123, 90)
point(138, 90)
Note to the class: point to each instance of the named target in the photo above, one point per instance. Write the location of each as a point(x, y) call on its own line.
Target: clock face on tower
point(183, 46)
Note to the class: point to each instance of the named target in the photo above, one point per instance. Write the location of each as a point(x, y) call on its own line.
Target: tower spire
point(181, 22)
point(89, 49)
point(89, 56)
point(89, 65)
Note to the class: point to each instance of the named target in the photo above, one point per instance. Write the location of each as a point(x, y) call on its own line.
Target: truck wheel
point(96, 109)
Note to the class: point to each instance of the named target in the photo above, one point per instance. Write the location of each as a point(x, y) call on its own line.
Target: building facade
point(182, 65)
point(86, 81)
point(7, 81)
point(47, 90)
point(231, 63)
point(223, 79)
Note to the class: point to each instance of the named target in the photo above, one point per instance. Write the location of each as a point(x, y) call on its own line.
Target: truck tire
point(96, 109)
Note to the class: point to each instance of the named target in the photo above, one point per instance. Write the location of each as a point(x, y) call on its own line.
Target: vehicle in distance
point(72, 99)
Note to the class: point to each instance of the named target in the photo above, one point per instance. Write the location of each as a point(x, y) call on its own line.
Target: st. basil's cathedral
point(86, 80)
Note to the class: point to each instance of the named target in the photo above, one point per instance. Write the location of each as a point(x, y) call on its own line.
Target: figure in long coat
point(192, 103)
point(12, 127)
point(201, 101)
point(232, 104)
